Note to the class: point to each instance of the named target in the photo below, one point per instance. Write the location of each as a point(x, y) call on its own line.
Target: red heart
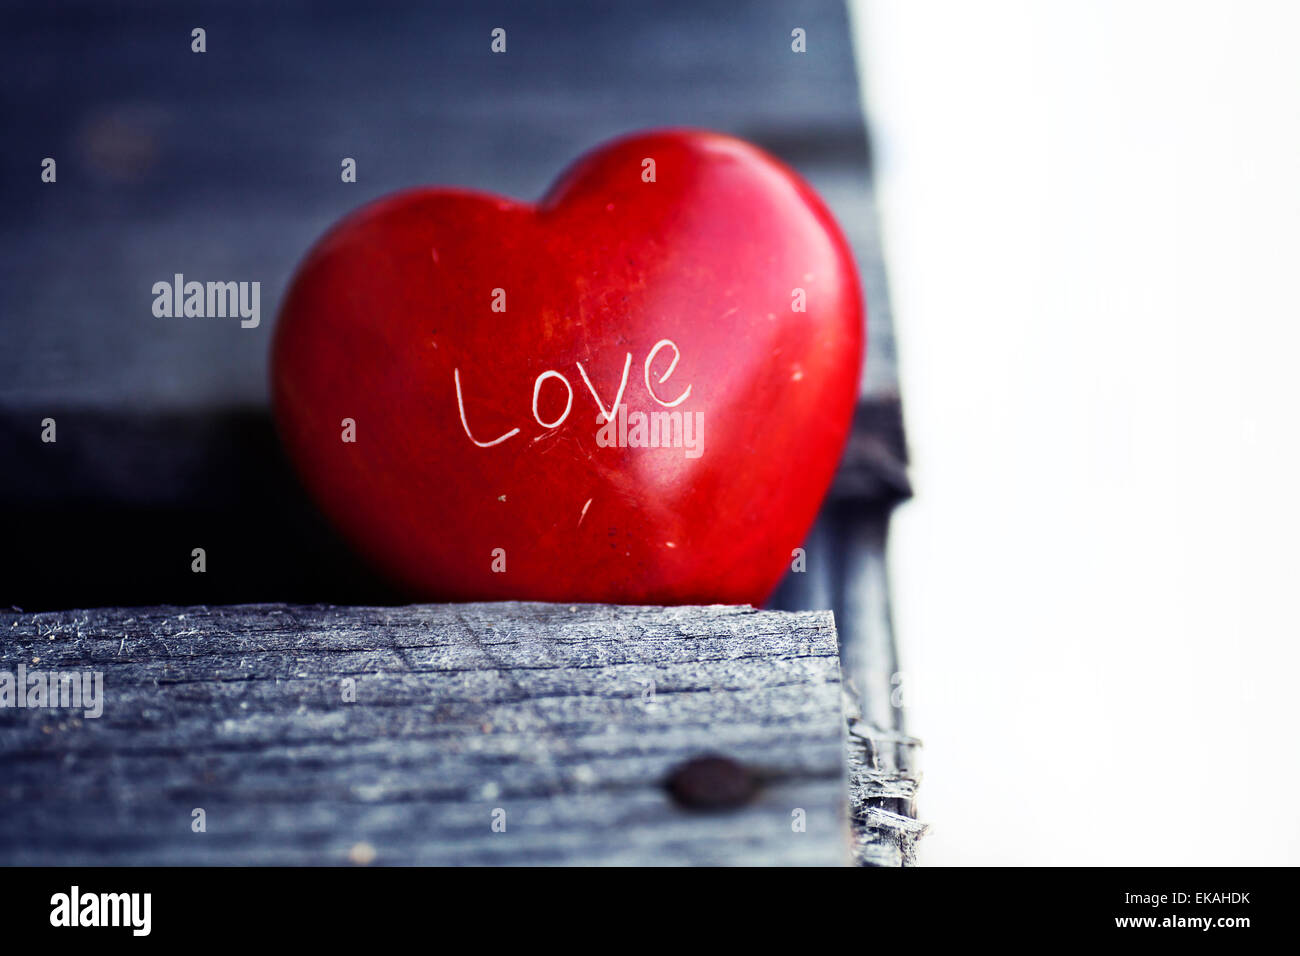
point(480, 469)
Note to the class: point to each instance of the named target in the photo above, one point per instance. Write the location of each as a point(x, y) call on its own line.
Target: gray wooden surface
point(570, 719)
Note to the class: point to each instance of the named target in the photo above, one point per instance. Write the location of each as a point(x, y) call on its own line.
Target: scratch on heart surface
point(584, 512)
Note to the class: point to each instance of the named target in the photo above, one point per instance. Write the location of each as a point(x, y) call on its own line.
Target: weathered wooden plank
point(569, 719)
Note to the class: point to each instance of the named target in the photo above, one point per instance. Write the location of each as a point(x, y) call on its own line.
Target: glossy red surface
point(393, 307)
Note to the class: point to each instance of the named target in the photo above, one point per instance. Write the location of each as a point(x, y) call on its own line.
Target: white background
point(1092, 230)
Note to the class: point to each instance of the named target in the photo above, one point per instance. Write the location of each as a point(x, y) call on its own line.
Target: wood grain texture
point(568, 719)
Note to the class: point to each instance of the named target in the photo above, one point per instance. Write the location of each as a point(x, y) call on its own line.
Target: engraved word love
point(607, 414)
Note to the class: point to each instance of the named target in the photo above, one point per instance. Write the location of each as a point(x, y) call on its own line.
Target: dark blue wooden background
point(225, 165)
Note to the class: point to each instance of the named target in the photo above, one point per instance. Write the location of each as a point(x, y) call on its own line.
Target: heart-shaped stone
point(636, 391)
